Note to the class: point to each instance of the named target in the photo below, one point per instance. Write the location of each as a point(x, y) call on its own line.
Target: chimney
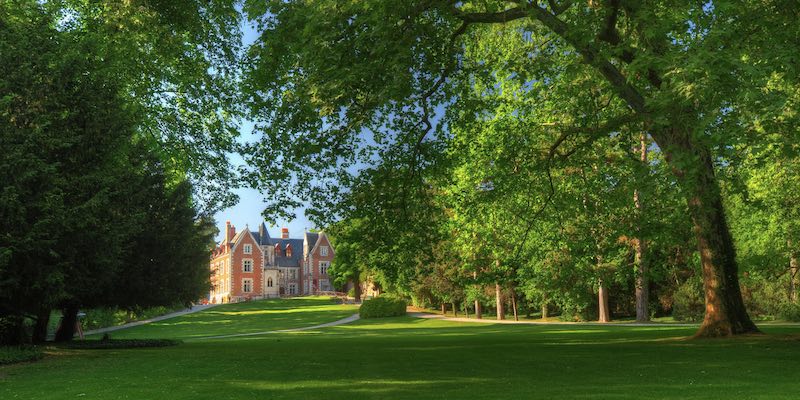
point(284, 233)
point(230, 232)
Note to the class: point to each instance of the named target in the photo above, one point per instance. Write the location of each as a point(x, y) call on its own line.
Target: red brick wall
point(237, 271)
point(316, 257)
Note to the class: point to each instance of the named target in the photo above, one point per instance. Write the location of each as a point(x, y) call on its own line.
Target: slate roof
point(262, 236)
point(297, 252)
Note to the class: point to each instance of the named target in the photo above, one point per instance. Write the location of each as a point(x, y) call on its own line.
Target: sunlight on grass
point(410, 358)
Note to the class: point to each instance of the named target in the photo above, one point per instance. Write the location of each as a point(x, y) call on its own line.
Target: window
point(247, 265)
point(293, 274)
point(288, 251)
point(323, 267)
point(323, 251)
point(269, 282)
point(292, 288)
point(248, 249)
point(247, 285)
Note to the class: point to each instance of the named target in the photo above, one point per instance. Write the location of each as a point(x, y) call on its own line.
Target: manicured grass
point(250, 317)
point(407, 358)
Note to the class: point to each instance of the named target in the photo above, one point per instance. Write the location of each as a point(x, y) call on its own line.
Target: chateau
point(252, 265)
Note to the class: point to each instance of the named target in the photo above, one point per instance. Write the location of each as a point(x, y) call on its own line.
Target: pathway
point(527, 322)
point(343, 321)
point(147, 321)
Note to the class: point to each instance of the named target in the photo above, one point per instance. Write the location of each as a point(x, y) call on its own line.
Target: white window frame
point(245, 284)
point(244, 264)
point(292, 288)
point(247, 248)
point(323, 267)
point(323, 251)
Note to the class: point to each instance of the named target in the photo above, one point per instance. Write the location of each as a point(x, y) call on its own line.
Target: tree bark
point(444, 310)
point(545, 310)
point(40, 329)
point(642, 281)
point(692, 164)
point(69, 319)
point(514, 304)
point(602, 299)
point(466, 309)
point(455, 310)
point(499, 299)
point(478, 311)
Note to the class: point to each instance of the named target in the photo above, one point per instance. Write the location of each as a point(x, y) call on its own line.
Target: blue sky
point(251, 204)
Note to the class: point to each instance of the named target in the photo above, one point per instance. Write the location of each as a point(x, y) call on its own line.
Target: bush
point(13, 354)
point(383, 306)
point(789, 312)
point(119, 343)
point(689, 301)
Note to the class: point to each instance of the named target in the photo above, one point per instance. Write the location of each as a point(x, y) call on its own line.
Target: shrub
point(13, 354)
point(383, 306)
point(789, 312)
point(688, 301)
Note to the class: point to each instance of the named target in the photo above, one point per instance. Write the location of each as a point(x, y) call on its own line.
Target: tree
point(328, 71)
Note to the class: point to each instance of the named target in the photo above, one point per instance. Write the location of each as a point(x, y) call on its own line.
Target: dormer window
point(288, 250)
point(278, 250)
point(323, 251)
point(248, 249)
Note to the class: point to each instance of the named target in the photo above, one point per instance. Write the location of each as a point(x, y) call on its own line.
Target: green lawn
point(256, 316)
point(407, 358)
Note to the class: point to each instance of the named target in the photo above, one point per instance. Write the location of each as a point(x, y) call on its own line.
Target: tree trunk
point(499, 299)
point(545, 310)
point(642, 282)
point(692, 164)
point(466, 309)
point(444, 309)
point(40, 329)
point(478, 311)
point(602, 299)
point(455, 310)
point(69, 319)
point(794, 265)
point(514, 304)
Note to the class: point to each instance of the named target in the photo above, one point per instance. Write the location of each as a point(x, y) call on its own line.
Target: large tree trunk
point(692, 164)
point(602, 299)
point(444, 310)
point(499, 299)
point(642, 283)
point(545, 310)
point(478, 311)
point(69, 319)
point(40, 328)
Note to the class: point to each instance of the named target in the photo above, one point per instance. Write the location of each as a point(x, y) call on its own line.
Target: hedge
point(13, 354)
point(383, 306)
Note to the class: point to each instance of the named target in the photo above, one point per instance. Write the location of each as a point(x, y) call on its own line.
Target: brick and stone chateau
point(252, 265)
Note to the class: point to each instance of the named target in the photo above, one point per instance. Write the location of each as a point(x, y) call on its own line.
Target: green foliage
point(382, 306)
point(18, 354)
point(688, 304)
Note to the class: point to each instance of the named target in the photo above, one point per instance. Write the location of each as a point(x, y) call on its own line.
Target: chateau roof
point(297, 252)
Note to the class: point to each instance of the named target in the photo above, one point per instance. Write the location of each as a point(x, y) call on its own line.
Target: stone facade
point(252, 265)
